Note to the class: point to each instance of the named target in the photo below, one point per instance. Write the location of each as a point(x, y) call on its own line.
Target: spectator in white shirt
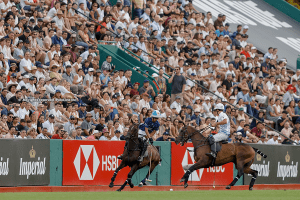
point(274, 139)
point(176, 105)
point(133, 24)
point(30, 86)
point(117, 136)
point(144, 102)
point(49, 124)
point(219, 93)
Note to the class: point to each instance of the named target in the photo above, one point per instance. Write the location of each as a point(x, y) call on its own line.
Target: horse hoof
point(185, 185)
point(111, 185)
point(250, 188)
point(119, 190)
point(228, 187)
point(131, 185)
point(141, 184)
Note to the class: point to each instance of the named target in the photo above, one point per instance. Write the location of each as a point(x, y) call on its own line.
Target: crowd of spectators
point(53, 87)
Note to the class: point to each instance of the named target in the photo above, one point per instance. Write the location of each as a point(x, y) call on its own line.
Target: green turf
point(185, 195)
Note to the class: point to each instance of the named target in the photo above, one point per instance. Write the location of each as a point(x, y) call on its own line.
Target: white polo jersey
point(225, 128)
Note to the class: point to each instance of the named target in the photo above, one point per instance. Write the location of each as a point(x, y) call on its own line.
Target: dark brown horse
point(130, 157)
point(242, 155)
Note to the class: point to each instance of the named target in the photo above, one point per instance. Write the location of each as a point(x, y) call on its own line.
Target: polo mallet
point(214, 178)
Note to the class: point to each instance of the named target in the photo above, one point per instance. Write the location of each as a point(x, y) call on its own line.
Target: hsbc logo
point(86, 162)
point(196, 175)
point(188, 159)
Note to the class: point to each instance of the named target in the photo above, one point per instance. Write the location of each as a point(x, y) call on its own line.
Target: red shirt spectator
point(256, 131)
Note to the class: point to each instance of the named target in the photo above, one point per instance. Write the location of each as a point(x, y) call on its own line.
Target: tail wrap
point(259, 152)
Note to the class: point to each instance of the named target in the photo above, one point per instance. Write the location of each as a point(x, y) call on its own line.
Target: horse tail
point(259, 152)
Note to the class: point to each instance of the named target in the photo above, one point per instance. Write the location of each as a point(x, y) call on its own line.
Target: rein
point(201, 142)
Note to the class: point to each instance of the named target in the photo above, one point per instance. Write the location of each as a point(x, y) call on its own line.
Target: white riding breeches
point(142, 134)
point(220, 137)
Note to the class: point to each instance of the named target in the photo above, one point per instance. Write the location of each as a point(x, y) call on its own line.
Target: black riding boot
point(140, 159)
point(213, 148)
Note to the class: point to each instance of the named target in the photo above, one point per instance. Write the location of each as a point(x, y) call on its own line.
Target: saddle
point(219, 145)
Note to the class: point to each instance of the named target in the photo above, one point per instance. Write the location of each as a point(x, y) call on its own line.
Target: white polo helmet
point(219, 106)
point(155, 114)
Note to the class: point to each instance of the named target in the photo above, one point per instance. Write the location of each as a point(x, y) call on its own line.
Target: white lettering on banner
point(87, 165)
point(4, 169)
point(262, 169)
point(287, 170)
point(32, 168)
point(216, 169)
point(109, 163)
point(292, 42)
point(248, 10)
point(185, 161)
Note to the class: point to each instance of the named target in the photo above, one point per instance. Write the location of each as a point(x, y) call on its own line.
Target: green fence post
point(56, 162)
point(161, 172)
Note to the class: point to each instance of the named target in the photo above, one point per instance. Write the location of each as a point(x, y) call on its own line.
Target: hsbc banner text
point(24, 162)
point(280, 167)
point(181, 156)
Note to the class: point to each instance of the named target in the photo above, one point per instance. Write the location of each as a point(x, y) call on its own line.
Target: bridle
point(186, 136)
point(132, 138)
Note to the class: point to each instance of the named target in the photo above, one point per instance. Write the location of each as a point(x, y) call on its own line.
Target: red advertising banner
point(92, 162)
point(222, 175)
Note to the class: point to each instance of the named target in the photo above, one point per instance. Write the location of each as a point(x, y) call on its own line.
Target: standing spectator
point(178, 85)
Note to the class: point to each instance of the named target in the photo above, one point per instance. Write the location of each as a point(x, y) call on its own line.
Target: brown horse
point(242, 155)
point(130, 158)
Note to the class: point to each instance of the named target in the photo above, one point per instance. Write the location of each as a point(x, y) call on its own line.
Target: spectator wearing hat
point(147, 88)
point(82, 111)
point(45, 134)
point(176, 105)
point(166, 137)
point(105, 134)
point(86, 125)
point(70, 125)
point(195, 119)
point(263, 140)
point(274, 139)
point(144, 102)
point(288, 96)
point(94, 135)
point(134, 90)
point(30, 86)
point(117, 136)
point(178, 85)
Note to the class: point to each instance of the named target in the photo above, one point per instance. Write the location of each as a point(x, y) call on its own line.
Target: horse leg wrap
point(187, 174)
point(234, 181)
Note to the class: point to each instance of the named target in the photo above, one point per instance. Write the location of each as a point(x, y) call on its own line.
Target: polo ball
point(171, 189)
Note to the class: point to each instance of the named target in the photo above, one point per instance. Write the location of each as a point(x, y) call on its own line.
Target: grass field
point(174, 195)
